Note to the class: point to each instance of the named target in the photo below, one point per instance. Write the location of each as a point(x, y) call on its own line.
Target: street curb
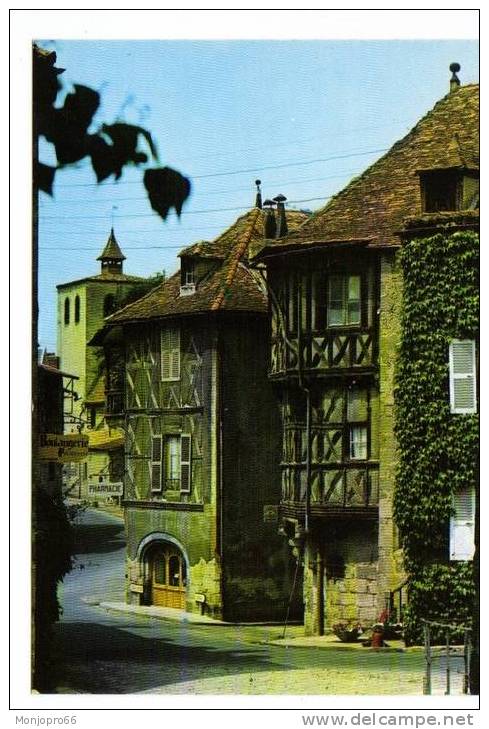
point(155, 612)
point(295, 643)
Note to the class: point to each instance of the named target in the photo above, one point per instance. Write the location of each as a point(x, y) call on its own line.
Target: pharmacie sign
point(60, 448)
point(105, 488)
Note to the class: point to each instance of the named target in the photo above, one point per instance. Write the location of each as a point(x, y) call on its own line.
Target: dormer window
point(449, 190)
point(187, 280)
point(440, 191)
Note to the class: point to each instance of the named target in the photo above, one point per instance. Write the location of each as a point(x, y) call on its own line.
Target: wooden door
point(168, 578)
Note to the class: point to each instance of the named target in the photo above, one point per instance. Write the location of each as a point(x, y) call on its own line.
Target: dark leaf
point(125, 137)
point(44, 177)
point(80, 107)
point(68, 131)
point(167, 189)
point(101, 154)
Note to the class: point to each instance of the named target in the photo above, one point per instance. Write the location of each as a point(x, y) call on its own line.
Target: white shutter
point(463, 397)
point(156, 453)
point(185, 462)
point(462, 526)
point(170, 354)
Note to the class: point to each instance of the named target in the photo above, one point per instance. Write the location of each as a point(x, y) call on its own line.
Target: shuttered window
point(185, 463)
point(177, 462)
point(463, 399)
point(170, 354)
point(156, 452)
point(462, 526)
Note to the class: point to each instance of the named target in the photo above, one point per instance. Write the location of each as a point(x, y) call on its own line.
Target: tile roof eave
point(297, 246)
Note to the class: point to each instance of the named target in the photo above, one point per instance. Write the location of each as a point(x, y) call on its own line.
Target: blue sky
point(303, 116)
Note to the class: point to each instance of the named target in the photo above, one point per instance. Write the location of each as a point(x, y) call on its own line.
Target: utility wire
point(209, 193)
point(242, 171)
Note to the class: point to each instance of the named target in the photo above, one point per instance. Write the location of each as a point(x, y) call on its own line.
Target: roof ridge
point(241, 247)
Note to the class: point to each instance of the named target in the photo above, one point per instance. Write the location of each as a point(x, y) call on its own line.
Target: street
point(106, 652)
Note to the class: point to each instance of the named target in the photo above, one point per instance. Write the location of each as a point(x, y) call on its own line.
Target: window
point(170, 354)
point(463, 396)
point(67, 311)
point(171, 465)
point(343, 300)
point(440, 191)
point(172, 462)
point(357, 423)
point(358, 442)
point(77, 309)
point(462, 526)
point(188, 274)
point(156, 464)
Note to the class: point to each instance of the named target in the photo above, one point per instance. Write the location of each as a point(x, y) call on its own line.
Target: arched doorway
point(167, 572)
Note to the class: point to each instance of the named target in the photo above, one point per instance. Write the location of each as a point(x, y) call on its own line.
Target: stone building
point(187, 381)
point(82, 306)
point(335, 291)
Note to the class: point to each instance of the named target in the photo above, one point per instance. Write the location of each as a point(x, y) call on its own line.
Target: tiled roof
point(105, 439)
point(374, 205)
point(231, 287)
point(104, 278)
point(97, 393)
point(112, 250)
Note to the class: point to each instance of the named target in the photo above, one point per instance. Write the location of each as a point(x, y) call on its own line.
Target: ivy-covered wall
point(438, 451)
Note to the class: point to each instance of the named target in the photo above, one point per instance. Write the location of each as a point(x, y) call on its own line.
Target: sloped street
point(102, 651)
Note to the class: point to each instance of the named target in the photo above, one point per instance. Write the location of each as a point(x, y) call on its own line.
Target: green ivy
point(438, 451)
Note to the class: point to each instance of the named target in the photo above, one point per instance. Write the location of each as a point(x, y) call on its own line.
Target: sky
point(303, 116)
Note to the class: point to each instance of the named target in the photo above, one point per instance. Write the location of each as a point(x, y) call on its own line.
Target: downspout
point(307, 392)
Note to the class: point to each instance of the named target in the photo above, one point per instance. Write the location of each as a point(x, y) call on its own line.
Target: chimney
point(282, 222)
point(270, 224)
point(258, 194)
point(454, 81)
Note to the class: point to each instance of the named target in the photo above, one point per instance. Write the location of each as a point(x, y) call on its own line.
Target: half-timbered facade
point(335, 289)
point(187, 381)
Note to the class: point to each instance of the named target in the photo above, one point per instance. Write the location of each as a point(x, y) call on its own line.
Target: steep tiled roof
point(112, 250)
point(231, 287)
point(373, 206)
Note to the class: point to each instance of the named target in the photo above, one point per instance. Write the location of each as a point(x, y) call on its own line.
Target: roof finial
point(258, 194)
point(454, 81)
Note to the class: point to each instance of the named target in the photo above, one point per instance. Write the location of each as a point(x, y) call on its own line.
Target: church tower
point(82, 306)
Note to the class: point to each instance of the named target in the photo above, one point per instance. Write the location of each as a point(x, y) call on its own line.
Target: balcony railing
point(334, 487)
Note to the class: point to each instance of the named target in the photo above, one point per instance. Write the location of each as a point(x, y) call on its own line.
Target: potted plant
point(348, 632)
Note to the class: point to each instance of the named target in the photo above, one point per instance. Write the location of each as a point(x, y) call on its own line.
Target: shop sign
point(59, 448)
point(105, 488)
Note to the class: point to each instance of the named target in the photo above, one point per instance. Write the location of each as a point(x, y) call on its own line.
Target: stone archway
point(165, 568)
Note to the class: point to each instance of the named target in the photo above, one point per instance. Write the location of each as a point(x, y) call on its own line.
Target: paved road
point(102, 652)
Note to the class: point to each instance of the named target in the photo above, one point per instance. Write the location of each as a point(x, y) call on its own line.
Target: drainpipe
point(307, 392)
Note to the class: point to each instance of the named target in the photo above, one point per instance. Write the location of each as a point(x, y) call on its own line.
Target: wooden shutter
point(170, 354)
point(463, 398)
point(156, 448)
point(462, 526)
point(185, 462)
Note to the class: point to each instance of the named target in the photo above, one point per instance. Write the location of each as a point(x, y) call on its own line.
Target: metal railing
point(446, 654)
